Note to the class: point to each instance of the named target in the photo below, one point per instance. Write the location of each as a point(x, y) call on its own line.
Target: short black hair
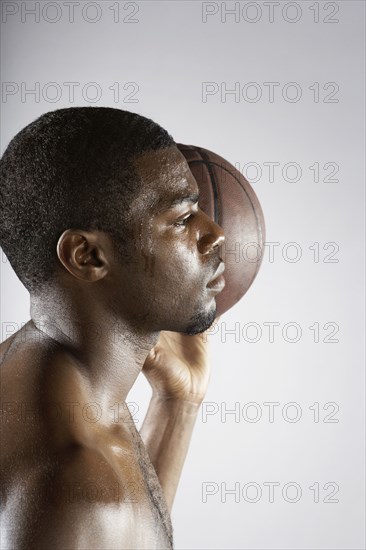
point(70, 168)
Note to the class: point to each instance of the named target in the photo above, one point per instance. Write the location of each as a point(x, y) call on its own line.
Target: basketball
point(229, 200)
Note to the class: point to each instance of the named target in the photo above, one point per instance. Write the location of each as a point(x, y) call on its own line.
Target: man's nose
point(211, 238)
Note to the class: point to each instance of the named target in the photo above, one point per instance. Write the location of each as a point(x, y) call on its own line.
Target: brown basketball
point(227, 197)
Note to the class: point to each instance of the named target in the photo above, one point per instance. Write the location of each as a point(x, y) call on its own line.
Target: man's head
point(70, 168)
point(95, 191)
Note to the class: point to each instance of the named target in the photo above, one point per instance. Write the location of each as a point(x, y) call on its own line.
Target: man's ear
point(84, 254)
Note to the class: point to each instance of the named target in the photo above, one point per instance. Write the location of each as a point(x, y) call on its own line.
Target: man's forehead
point(166, 177)
point(163, 161)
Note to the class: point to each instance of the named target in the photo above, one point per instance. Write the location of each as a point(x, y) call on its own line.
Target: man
point(100, 221)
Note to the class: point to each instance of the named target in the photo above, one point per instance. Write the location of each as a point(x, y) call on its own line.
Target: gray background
point(168, 53)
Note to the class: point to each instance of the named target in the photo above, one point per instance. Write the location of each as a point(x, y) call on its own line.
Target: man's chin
point(201, 322)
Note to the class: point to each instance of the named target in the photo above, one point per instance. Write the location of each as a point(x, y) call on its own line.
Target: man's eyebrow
point(191, 197)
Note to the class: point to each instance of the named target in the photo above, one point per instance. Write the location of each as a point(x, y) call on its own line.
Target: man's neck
point(110, 350)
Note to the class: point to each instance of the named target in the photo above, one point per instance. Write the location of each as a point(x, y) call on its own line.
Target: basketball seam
point(206, 161)
point(259, 227)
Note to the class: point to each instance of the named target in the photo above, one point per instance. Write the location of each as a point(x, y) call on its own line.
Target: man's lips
point(217, 282)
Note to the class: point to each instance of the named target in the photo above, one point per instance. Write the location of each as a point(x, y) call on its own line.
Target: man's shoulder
point(62, 460)
point(38, 389)
point(74, 483)
point(75, 493)
point(22, 349)
point(5, 346)
point(48, 415)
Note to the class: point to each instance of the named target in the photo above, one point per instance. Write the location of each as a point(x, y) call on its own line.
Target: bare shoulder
point(32, 398)
point(76, 500)
point(5, 346)
point(67, 482)
point(81, 495)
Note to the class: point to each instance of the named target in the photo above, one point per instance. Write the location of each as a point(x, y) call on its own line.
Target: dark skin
point(72, 476)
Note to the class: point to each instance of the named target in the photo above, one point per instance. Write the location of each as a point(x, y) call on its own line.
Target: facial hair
point(200, 322)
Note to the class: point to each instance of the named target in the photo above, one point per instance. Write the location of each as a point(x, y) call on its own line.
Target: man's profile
point(100, 221)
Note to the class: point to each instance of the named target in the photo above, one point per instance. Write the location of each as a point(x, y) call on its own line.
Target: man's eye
point(184, 221)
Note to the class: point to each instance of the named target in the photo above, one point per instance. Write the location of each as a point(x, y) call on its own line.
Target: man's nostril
point(208, 244)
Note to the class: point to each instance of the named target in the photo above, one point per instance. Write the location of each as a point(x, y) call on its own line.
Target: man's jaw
point(201, 321)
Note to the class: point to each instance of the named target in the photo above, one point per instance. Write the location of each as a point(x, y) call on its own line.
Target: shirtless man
point(100, 221)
